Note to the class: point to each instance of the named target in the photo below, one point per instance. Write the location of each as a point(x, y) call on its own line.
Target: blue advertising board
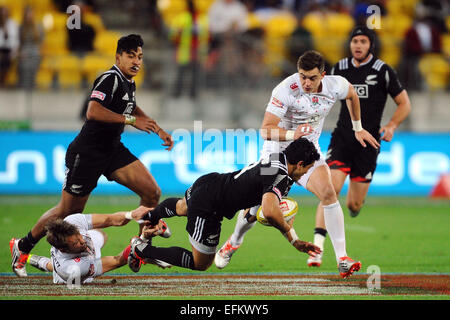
point(33, 162)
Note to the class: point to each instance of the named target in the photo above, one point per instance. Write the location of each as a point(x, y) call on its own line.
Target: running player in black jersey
point(97, 149)
point(215, 196)
point(373, 81)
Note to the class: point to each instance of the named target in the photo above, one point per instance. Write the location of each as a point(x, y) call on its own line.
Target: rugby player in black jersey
point(373, 81)
point(215, 196)
point(97, 149)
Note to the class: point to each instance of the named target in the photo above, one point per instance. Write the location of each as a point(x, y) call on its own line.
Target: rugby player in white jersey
point(297, 108)
point(77, 241)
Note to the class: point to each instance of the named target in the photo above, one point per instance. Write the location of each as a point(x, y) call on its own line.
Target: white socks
point(319, 240)
point(241, 228)
point(334, 222)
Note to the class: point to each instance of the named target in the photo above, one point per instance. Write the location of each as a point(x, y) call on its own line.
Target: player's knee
point(328, 195)
point(151, 198)
point(354, 205)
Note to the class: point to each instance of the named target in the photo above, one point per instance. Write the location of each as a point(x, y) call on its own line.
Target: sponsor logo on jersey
point(98, 95)
point(294, 86)
point(370, 79)
point(362, 90)
point(277, 103)
point(76, 259)
point(315, 100)
point(125, 97)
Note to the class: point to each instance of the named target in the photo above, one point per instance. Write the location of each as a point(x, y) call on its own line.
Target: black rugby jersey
point(244, 188)
point(372, 81)
point(116, 93)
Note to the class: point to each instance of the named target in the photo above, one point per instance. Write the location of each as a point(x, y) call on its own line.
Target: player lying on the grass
point(215, 196)
point(77, 241)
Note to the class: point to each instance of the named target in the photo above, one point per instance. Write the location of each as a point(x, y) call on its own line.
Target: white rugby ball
point(288, 206)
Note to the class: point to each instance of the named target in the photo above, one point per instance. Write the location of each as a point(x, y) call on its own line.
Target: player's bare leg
point(338, 178)
point(137, 178)
point(356, 195)
point(20, 248)
point(321, 185)
point(202, 261)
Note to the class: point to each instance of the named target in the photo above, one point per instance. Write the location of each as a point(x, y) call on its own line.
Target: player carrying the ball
point(297, 108)
point(215, 196)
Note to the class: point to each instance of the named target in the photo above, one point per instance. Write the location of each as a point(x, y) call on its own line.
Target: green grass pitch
point(399, 235)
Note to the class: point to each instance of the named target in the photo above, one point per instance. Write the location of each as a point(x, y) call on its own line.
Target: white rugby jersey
point(295, 107)
point(87, 263)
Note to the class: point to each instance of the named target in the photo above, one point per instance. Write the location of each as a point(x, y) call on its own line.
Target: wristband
point(357, 126)
point(289, 135)
point(130, 119)
point(293, 235)
point(129, 215)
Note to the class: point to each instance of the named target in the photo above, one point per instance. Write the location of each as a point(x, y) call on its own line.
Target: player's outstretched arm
point(354, 108)
point(400, 114)
point(271, 131)
point(117, 219)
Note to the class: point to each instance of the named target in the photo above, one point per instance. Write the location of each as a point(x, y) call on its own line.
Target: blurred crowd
point(221, 43)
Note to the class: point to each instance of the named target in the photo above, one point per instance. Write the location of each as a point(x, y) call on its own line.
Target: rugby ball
point(288, 206)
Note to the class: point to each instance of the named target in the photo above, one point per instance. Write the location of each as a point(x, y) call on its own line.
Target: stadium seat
point(339, 24)
point(313, 22)
point(106, 42)
point(54, 43)
point(68, 71)
point(95, 21)
point(94, 64)
point(44, 79)
point(390, 49)
point(435, 70)
point(446, 45)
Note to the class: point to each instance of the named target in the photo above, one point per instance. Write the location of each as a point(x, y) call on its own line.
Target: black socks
point(176, 256)
point(166, 209)
point(27, 243)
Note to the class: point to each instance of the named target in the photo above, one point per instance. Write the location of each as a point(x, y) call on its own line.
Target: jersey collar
point(362, 64)
point(123, 76)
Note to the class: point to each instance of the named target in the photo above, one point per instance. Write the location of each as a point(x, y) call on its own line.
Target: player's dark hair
point(311, 59)
point(57, 232)
point(301, 150)
point(129, 43)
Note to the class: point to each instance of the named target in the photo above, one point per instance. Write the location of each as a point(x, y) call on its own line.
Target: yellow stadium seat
point(281, 25)
point(55, 43)
point(95, 21)
point(203, 5)
point(106, 42)
point(395, 25)
point(12, 76)
point(69, 71)
point(94, 64)
point(44, 79)
point(253, 21)
point(391, 51)
point(436, 70)
point(339, 24)
point(446, 44)
point(314, 23)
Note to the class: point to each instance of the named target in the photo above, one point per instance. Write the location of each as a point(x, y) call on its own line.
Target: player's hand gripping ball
point(288, 206)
